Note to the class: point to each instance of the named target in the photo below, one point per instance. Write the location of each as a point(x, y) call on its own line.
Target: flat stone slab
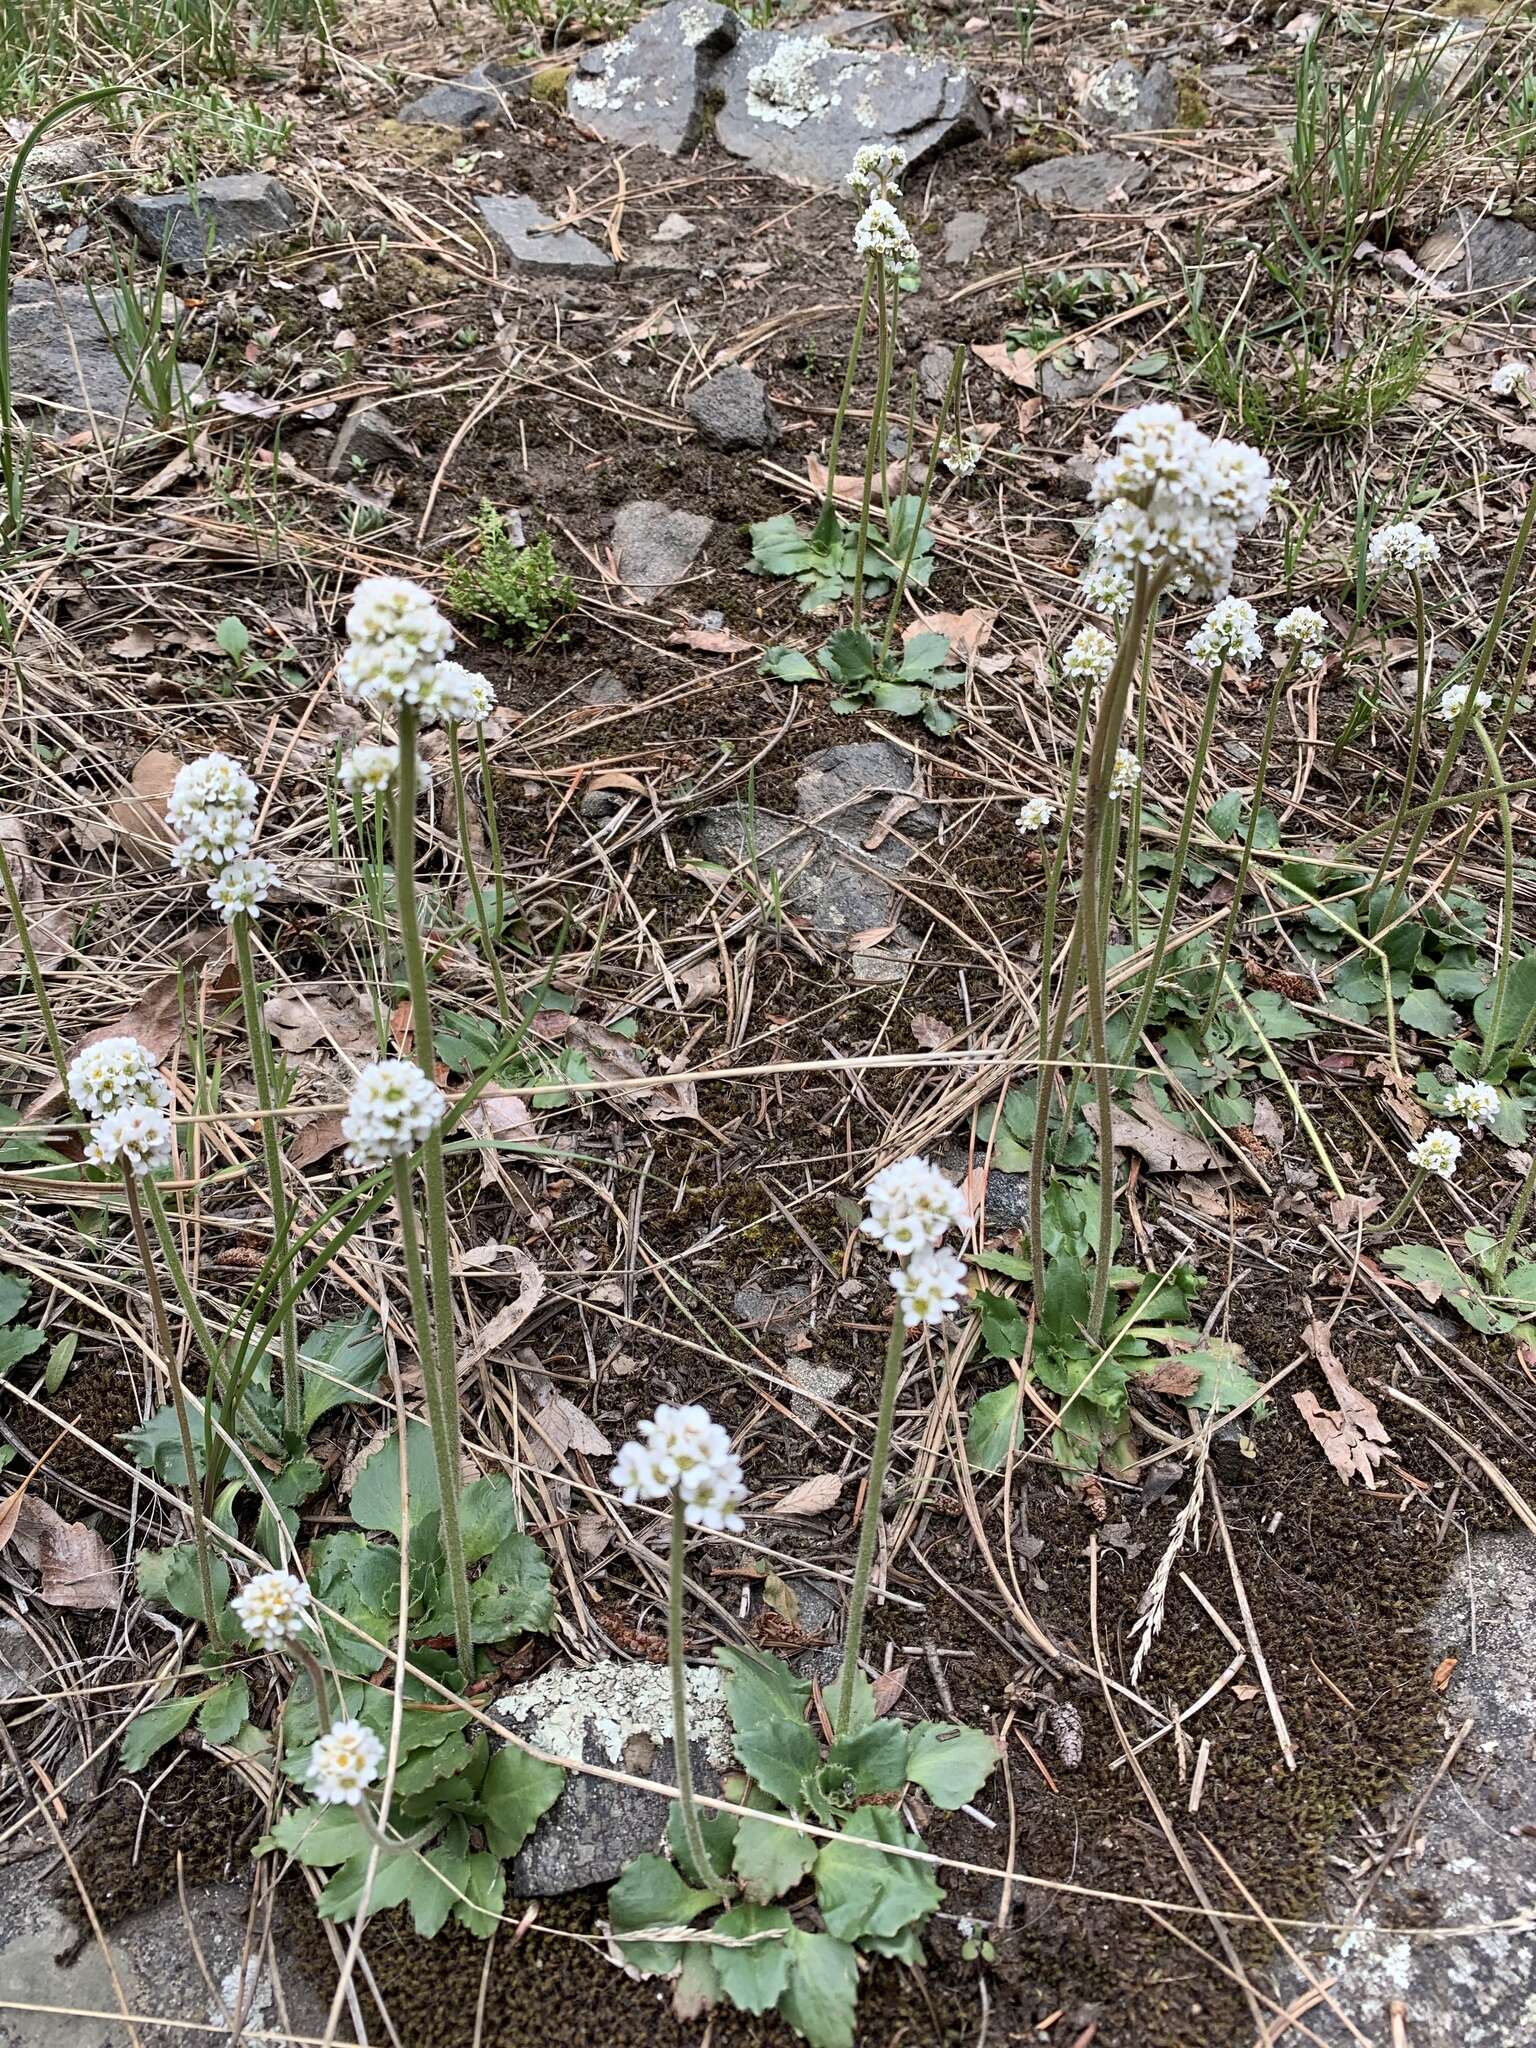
point(366, 442)
point(1472, 251)
point(655, 546)
point(457, 103)
point(517, 226)
point(1083, 184)
point(731, 409)
point(793, 105)
point(618, 1716)
point(215, 217)
point(64, 369)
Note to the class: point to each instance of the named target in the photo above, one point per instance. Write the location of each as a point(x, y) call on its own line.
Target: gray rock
point(618, 1716)
point(848, 788)
point(1443, 66)
point(1473, 252)
point(1127, 100)
point(215, 217)
point(54, 171)
point(655, 546)
point(731, 409)
point(457, 103)
point(790, 104)
point(63, 366)
point(964, 234)
point(1066, 380)
point(933, 371)
point(512, 221)
point(367, 441)
point(1472, 1851)
point(602, 690)
point(782, 1310)
point(1083, 184)
point(1007, 1200)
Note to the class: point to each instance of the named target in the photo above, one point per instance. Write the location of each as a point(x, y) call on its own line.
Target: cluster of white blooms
point(961, 458)
point(1300, 636)
point(1105, 587)
point(1125, 774)
point(1512, 377)
point(911, 1205)
point(1436, 1153)
point(683, 1452)
point(212, 811)
point(1475, 1102)
point(392, 1109)
point(1402, 545)
point(242, 886)
point(115, 1073)
point(343, 1762)
point(1035, 814)
point(460, 696)
point(1229, 636)
point(398, 641)
point(1175, 503)
point(929, 1286)
point(1088, 656)
point(273, 1609)
point(882, 232)
point(136, 1137)
point(1453, 702)
point(877, 169)
point(370, 769)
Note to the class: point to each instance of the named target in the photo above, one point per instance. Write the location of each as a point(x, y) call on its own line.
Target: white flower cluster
point(397, 654)
point(962, 458)
point(392, 1109)
point(212, 811)
point(462, 697)
point(682, 1451)
point(370, 769)
point(273, 1609)
point(115, 1073)
point(882, 232)
point(1402, 545)
point(1035, 814)
point(1175, 503)
point(1125, 774)
point(343, 1762)
point(1513, 378)
point(1436, 1153)
point(911, 1208)
point(1088, 656)
point(1475, 1102)
point(136, 1137)
point(1229, 637)
point(242, 886)
point(1300, 636)
point(877, 170)
point(1453, 702)
point(1105, 587)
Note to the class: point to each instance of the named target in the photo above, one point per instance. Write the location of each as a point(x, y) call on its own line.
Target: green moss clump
point(1191, 107)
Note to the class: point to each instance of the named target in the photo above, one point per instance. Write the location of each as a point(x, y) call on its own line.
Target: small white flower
point(930, 1286)
point(1125, 774)
point(1106, 587)
point(1088, 656)
point(393, 1108)
point(1453, 701)
point(1229, 637)
point(1513, 377)
point(212, 811)
point(1300, 636)
point(458, 696)
point(1436, 1153)
point(369, 769)
point(960, 458)
point(273, 1609)
point(683, 1451)
point(1476, 1102)
point(877, 169)
point(390, 610)
point(241, 887)
point(386, 675)
point(136, 1137)
point(1175, 503)
point(882, 232)
point(115, 1073)
point(1035, 814)
point(1402, 545)
point(912, 1205)
point(343, 1762)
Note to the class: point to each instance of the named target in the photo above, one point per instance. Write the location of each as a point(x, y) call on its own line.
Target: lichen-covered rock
point(215, 217)
point(731, 409)
point(1082, 184)
point(1125, 98)
point(651, 85)
point(964, 234)
point(520, 227)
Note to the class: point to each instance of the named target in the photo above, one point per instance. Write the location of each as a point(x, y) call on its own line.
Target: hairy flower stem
point(178, 1402)
point(1507, 927)
point(951, 397)
point(1516, 1219)
point(869, 1527)
point(34, 971)
point(825, 530)
point(439, 1366)
point(1406, 1203)
point(483, 925)
point(1250, 835)
point(1050, 1059)
point(1148, 994)
point(1415, 738)
point(875, 450)
point(1133, 829)
point(493, 835)
point(693, 1834)
point(264, 1070)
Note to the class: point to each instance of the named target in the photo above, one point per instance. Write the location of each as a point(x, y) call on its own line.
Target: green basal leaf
point(874, 1760)
point(1225, 1381)
point(171, 1577)
point(784, 1757)
point(1065, 1307)
point(318, 1836)
point(940, 722)
point(862, 1892)
point(149, 1732)
point(651, 1893)
point(951, 1764)
point(760, 1687)
point(789, 665)
point(345, 1361)
point(770, 1860)
point(755, 1978)
point(512, 1595)
point(376, 1491)
point(990, 1430)
point(13, 1295)
point(924, 653)
point(696, 1987)
point(902, 700)
point(487, 1513)
point(1004, 1327)
point(516, 1792)
point(849, 656)
point(823, 1989)
point(1422, 1010)
point(225, 1711)
point(485, 1883)
point(1429, 1267)
point(719, 1832)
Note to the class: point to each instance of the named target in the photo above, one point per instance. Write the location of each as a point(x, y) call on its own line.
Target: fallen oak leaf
point(710, 640)
point(73, 1564)
point(1141, 1127)
point(1353, 1437)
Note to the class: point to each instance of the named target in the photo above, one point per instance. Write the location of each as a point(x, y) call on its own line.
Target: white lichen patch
point(599, 94)
point(784, 88)
point(559, 1710)
point(694, 24)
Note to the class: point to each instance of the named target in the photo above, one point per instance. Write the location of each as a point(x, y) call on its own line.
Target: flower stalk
point(263, 1068)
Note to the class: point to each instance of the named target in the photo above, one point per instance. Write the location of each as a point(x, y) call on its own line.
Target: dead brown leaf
point(49, 925)
point(850, 489)
point(889, 1687)
point(812, 1496)
point(929, 1033)
point(552, 1425)
point(1353, 1436)
point(967, 632)
point(508, 1320)
point(1017, 365)
point(1170, 1377)
point(73, 1564)
point(613, 1058)
point(301, 1022)
point(1141, 1127)
point(709, 640)
point(139, 819)
point(317, 1139)
point(1441, 1677)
